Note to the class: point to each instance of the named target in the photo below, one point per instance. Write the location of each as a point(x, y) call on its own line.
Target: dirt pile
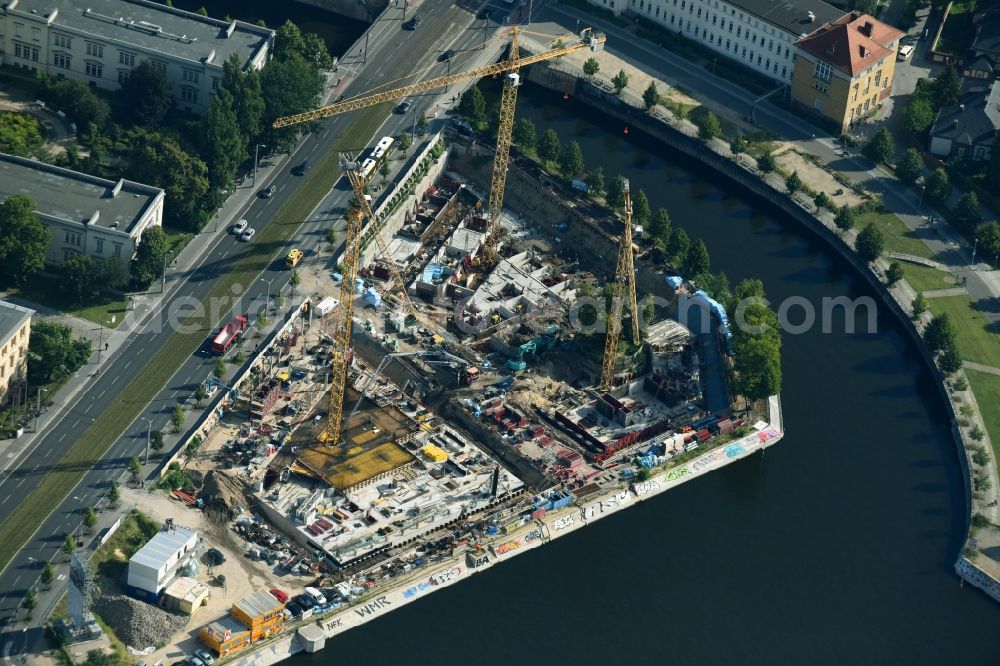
point(222, 494)
point(136, 623)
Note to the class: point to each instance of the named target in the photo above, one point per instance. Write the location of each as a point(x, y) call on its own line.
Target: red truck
point(229, 334)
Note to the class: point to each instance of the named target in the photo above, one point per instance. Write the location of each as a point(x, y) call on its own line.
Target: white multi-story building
point(756, 33)
point(86, 214)
point(160, 561)
point(100, 41)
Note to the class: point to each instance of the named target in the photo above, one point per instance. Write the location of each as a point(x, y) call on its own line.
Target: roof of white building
point(162, 548)
point(152, 26)
point(793, 17)
point(12, 318)
point(70, 196)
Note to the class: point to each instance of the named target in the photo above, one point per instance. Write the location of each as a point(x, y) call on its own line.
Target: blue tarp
point(674, 281)
point(373, 298)
point(702, 297)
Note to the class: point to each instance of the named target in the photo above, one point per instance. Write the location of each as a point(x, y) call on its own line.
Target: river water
point(834, 547)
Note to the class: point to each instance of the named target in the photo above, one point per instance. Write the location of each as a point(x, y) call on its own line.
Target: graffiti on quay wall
point(641, 489)
point(374, 607)
point(506, 547)
point(442, 577)
point(677, 473)
point(610, 503)
point(562, 523)
point(735, 450)
point(533, 535)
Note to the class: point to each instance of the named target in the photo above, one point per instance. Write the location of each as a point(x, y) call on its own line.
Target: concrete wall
point(362, 10)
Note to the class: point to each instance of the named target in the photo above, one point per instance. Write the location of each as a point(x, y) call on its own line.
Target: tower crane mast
point(624, 279)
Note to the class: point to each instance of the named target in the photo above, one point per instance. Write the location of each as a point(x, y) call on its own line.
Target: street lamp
point(267, 304)
point(38, 406)
point(256, 152)
point(100, 337)
point(149, 426)
point(920, 206)
point(975, 246)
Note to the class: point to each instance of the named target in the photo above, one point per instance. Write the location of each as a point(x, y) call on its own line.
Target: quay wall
point(750, 182)
point(362, 10)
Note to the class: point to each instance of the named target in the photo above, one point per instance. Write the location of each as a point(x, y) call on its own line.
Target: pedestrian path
point(979, 367)
point(940, 293)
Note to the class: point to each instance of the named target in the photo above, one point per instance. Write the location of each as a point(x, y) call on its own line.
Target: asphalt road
point(391, 50)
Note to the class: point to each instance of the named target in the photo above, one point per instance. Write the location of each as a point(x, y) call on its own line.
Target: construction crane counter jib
point(587, 39)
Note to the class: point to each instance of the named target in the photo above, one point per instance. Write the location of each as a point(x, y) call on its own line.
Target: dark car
point(404, 107)
point(484, 14)
point(305, 601)
point(294, 609)
point(446, 56)
point(214, 556)
point(268, 191)
point(302, 169)
point(412, 23)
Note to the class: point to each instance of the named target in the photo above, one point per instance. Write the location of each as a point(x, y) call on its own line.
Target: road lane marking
point(20, 482)
point(128, 364)
point(62, 437)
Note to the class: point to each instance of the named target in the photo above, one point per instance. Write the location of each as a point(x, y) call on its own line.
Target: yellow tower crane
point(352, 244)
point(624, 279)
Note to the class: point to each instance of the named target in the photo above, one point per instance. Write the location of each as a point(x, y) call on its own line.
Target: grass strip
point(976, 337)
point(986, 387)
point(109, 425)
point(925, 278)
point(898, 237)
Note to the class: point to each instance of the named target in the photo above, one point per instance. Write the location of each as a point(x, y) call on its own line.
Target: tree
point(404, 142)
point(766, 162)
point(76, 276)
point(823, 200)
point(919, 305)
point(949, 361)
point(200, 394)
point(595, 182)
point(918, 115)
point(677, 247)
point(988, 238)
point(967, 215)
point(938, 187)
point(620, 81)
point(616, 192)
point(192, 447)
point(549, 148)
point(660, 227)
point(651, 96)
point(524, 134)
point(288, 86)
point(738, 145)
point(223, 145)
point(134, 468)
point(910, 167)
point(473, 106)
point(940, 333)
point(53, 353)
point(591, 67)
point(993, 172)
point(147, 265)
point(881, 147)
point(294, 280)
point(48, 575)
point(114, 494)
point(947, 88)
point(571, 160)
point(708, 126)
point(756, 343)
point(793, 183)
point(156, 440)
point(863, 6)
point(894, 273)
point(89, 519)
point(146, 96)
point(177, 417)
point(84, 107)
point(696, 261)
point(844, 219)
point(69, 545)
point(640, 208)
point(109, 273)
point(202, 11)
point(290, 42)
point(23, 239)
point(159, 160)
point(219, 371)
point(20, 134)
point(422, 124)
point(29, 601)
point(870, 242)
point(248, 100)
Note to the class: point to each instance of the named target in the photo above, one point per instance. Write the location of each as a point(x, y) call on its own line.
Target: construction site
point(443, 400)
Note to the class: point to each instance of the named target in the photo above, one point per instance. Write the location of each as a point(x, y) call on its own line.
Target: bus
point(381, 149)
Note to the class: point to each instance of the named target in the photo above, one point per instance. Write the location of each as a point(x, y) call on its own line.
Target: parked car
point(305, 601)
point(195, 661)
point(214, 557)
point(316, 596)
point(484, 14)
point(302, 169)
point(268, 191)
point(403, 107)
point(905, 51)
point(446, 56)
point(239, 227)
point(247, 235)
point(412, 23)
point(294, 609)
point(205, 656)
point(279, 595)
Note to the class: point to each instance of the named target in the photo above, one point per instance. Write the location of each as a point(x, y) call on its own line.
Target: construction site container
point(326, 306)
point(435, 453)
point(261, 612)
point(225, 636)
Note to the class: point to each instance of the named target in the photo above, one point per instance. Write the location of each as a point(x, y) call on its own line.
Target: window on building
point(189, 94)
point(699, 12)
point(99, 245)
point(96, 50)
point(758, 60)
point(61, 60)
point(126, 58)
point(95, 69)
point(158, 65)
point(867, 102)
point(642, 5)
point(727, 44)
point(784, 72)
point(818, 103)
point(123, 76)
point(823, 71)
point(980, 154)
point(62, 41)
point(878, 78)
point(18, 30)
point(768, 64)
point(216, 81)
point(36, 34)
point(715, 19)
point(730, 27)
point(786, 51)
point(744, 52)
point(739, 32)
point(657, 12)
point(770, 44)
point(754, 40)
point(671, 19)
point(118, 249)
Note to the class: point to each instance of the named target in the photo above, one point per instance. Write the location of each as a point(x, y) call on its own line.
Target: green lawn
point(959, 30)
point(975, 342)
point(987, 390)
point(108, 426)
point(898, 237)
point(176, 241)
point(45, 291)
point(924, 278)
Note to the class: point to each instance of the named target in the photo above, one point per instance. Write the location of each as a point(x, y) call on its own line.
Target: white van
point(316, 596)
point(905, 51)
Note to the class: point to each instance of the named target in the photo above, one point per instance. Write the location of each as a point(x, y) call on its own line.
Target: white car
point(239, 227)
point(247, 235)
point(905, 51)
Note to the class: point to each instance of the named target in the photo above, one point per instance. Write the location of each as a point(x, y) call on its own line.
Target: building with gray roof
point(15, 332)
point(85, 214)
point(157, 563)
point(99, 42)
point(969, 129)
